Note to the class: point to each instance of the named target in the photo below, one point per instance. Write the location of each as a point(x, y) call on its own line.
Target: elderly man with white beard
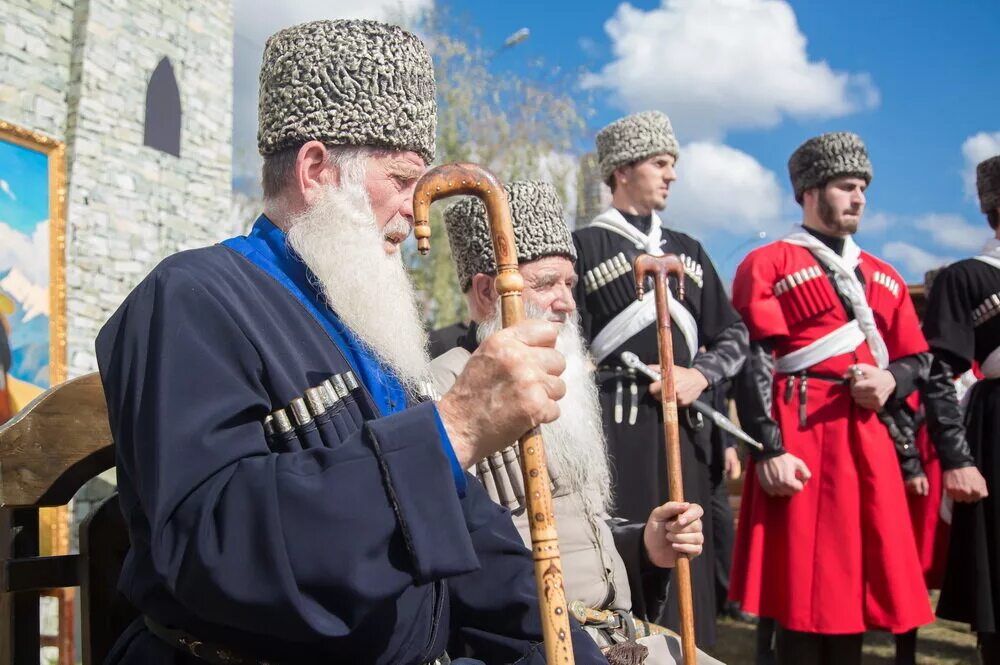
point(289, 496)
point(610, 566)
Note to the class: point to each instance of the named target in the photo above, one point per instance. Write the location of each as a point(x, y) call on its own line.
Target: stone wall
point(35, 51)
point(131, 205)
point(78, 71)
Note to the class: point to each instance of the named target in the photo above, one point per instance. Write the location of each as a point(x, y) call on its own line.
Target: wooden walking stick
point(660, 267)
point(450, 180)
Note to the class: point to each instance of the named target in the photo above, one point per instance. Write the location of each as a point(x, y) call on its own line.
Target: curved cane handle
point(646, 265)
point(451, 180)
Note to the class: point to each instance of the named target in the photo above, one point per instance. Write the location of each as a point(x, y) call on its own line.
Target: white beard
point(368, 289)
point(574, 444)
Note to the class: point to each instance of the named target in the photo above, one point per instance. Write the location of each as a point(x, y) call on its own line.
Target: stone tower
point(141, 93)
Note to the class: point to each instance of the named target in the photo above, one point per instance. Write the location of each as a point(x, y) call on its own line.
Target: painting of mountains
point(24, 269)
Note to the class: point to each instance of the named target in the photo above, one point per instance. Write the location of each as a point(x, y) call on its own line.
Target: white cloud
point(953, 232)
point(720, 188)
point(5, 188)
point(975, 149)
point(256, 20)
point(23, 252)
point(34, 299)
point(911, 260)
point(876, 222)
point(941, 230)
point(716, 65)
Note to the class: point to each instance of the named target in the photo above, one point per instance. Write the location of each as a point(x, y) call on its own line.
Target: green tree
point(519, 127)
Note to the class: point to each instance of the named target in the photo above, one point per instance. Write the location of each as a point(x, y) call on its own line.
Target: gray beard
point(574, 444)
point(368, 289)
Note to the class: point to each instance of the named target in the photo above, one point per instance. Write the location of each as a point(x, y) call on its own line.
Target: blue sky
point(746, 81)
point(24, 187)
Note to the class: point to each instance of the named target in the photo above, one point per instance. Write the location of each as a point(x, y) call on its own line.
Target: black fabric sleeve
point(909, 461)
point(647, 582)
point(909, 372)
point(754, 401)
point(725, 355)
point(945, 420)
point(716, 312)
point(951, 336)
point(721, 332)
point(948, 320)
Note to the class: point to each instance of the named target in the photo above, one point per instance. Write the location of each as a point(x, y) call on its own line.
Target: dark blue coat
point(352, 544)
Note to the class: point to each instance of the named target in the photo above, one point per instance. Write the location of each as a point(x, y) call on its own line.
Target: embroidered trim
point(986, 311)
point(797, 279)
point(888, 282)
point(606, 272)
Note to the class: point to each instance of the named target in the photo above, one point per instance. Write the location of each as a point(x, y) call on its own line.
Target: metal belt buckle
point(613, 622)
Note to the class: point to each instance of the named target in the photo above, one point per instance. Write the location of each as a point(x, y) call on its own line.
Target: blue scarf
point(267, 248)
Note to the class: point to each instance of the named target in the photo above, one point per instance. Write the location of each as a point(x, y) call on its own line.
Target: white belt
point(635, 318)
point(843, 340)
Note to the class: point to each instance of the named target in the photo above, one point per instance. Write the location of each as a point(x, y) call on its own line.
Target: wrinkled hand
point(510, 384)
point(733, 469)
point(689, 384)
point(965, 485)
point(918, 486)
point(672, 529)
point(784, 475)
point(871, 387)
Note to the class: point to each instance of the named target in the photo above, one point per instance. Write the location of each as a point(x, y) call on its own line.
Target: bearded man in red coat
point(825, 544)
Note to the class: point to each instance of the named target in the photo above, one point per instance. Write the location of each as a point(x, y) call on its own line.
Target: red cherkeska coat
point(839, 557)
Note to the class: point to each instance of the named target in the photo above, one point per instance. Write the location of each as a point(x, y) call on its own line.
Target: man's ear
point(311, 171)
point(809, 197)
point(482, 295)
point(621, 175)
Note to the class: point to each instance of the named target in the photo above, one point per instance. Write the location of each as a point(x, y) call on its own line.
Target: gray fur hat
point(347, 82)
point(635, 137)
point(988, 183)
point(825, 157)
point(539, 229)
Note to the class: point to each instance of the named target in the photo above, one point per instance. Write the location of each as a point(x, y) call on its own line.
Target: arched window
point(163, 111)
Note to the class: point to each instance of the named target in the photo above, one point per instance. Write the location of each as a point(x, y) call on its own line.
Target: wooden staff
point(660, 267)
point(450, 180)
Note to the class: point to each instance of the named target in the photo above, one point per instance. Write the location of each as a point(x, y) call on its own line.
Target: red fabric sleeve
point(754, 299)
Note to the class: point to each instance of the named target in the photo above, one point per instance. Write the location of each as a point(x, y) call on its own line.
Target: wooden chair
point(48, 451)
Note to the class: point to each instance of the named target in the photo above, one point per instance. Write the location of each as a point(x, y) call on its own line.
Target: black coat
point(958, 336)
point(637, 450)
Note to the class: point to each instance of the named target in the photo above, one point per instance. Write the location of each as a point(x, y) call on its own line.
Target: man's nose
point(564, 302)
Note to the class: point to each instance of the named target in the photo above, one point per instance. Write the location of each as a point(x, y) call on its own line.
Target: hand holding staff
point(660, 267)
point(449, 180)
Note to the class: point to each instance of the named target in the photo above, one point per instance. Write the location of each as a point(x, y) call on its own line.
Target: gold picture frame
point(26, 169)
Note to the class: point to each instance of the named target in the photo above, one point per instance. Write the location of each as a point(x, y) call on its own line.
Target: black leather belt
point(202, 650)
point(803, 378)
point(626, 376)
